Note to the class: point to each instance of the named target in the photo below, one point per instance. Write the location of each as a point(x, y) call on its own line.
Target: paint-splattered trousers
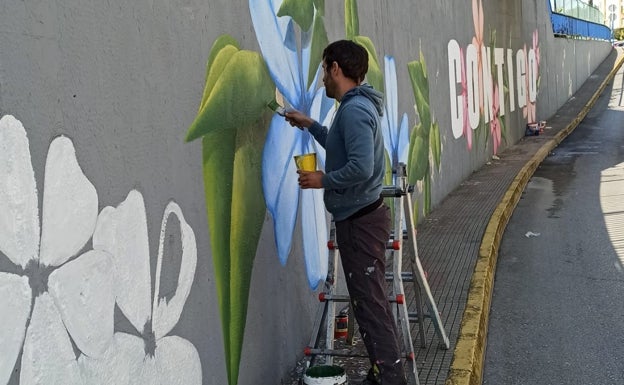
point(362, 243)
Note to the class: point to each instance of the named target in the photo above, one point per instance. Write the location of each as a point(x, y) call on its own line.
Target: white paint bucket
point(325, 375)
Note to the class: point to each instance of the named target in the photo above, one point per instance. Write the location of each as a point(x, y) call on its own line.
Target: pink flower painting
point(495, 124)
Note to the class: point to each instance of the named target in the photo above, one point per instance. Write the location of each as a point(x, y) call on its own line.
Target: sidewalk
point(458, 244)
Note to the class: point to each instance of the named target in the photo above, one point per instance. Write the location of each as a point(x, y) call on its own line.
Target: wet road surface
point(557, 313)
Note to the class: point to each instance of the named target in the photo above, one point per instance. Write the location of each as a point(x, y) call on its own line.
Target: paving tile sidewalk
point(458, 244)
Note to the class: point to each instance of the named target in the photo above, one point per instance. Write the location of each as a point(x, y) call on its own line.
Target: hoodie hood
point(369, 92)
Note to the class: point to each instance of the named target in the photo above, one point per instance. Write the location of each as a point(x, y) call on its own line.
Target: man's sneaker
point(371, 378)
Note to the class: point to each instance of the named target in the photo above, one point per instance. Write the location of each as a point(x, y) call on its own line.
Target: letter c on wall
point(457, 100)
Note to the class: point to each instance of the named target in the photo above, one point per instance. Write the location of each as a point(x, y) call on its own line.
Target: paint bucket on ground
point(532, 129)
point(325, 375)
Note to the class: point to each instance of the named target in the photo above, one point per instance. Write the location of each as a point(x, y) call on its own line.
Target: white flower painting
point(58, 295)
point(152, 357)
point(63, 292)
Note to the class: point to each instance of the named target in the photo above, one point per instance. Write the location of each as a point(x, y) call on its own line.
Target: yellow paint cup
point(306, 162)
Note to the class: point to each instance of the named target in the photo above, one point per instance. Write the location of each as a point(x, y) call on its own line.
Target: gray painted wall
point(123, 81)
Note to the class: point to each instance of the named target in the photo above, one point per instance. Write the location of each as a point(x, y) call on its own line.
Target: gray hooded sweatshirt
point(355, 164)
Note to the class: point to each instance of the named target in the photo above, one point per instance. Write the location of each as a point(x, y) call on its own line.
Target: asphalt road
point(557, 313)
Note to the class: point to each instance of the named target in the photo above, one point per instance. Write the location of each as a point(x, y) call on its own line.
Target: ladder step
point(392, 244)
point(308, 351)
point(324, 297)
point(413, 317)
point(404, 234)
point(391, 192)
point(406, 276)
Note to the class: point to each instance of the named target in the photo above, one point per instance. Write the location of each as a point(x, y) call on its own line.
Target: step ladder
point(321, 346)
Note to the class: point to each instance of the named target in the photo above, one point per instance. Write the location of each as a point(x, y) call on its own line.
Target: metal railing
point(578, 9)
point(575, 18)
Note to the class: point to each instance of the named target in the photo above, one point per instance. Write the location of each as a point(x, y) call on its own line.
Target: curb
point(468, 356)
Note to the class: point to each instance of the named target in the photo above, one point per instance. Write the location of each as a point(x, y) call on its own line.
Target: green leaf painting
point(420, 86)
point(319, 5)
point(435, 144)
point(301, 11)
point(374, 75)
point(388, 181)
point(352, 31)
point(236, 92)
point(352, 23)
point(309, 13)
point(232, 121)
point(425, 142)
point(319, 42)
point(418, 160)
point(427, 192)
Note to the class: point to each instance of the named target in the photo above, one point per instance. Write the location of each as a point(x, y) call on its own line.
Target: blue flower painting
point(291, 35)
point(395, 133)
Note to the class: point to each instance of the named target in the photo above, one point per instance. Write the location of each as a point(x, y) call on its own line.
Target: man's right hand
point(298, 119)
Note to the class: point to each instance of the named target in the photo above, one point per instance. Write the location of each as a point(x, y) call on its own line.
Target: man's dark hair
point(351, 57)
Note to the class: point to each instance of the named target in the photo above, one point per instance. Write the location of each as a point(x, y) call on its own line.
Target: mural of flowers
point(477, 41)
point(152, 356)
point(396, 135)
point(529, 110)
point(374, 75)
point(425, 137)
point(57, 293)
point(56, 297)
point(536, 47)
point(291, 35)
point(243, 170)
point(232, 141)
point(497, 126)
point(495, 123)
point(293, 60)
point(467, 130)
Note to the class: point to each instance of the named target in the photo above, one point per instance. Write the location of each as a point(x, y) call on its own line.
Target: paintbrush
point(276, 107)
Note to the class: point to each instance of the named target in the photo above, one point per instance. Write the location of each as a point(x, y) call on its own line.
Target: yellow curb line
point(467, 365)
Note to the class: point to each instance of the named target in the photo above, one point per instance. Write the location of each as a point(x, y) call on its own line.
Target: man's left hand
point(310, 179)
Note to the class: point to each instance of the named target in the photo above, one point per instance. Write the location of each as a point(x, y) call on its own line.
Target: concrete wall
point(103, 205)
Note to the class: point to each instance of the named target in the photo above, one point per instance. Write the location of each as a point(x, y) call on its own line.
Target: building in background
point(613, 11)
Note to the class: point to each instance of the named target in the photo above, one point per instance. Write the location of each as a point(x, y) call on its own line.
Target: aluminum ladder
point(321, 346)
